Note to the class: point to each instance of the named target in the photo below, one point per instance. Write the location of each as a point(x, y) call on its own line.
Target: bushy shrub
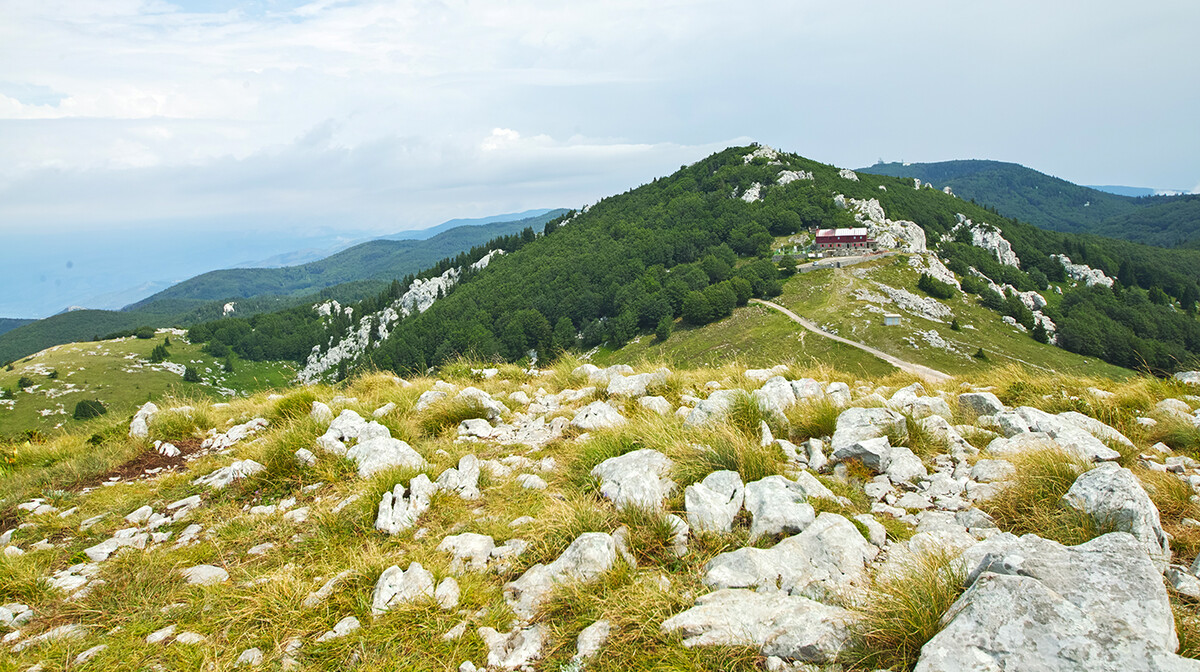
point(934, 287)
point(663, 331)
point(159, 353)
point(191, 375)
point(89, 408)
point(144, 333)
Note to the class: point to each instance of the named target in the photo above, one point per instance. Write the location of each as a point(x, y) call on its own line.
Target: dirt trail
point(930, 375)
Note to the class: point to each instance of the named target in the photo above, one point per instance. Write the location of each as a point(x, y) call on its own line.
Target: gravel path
point(930, 375)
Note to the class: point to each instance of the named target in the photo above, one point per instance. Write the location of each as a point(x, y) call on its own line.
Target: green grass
point(754, 337)
point(828, 298)
point(117, 373)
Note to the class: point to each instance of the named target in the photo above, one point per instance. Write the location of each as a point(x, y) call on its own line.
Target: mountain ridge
point(1056, 204)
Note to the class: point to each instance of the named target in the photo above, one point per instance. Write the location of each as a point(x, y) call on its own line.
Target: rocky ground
point(585, 518)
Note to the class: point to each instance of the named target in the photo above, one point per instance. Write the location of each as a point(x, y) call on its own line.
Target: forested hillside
point(372, 260)
point(7, 324)
point(1051, 203)
point(694, 245)
point(348, 276)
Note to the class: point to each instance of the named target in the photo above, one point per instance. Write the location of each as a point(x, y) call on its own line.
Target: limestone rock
point(321, 412)
point(1114, 497)
point(343, 627)
point(396, 586)
point(640, 478)
point(464, 479)
point(376, 454)
point(636, 385)
point(657, 404)
point(776, 395)
point(1035, 604)
point(471, 551)
point(516, 649)
point(591, 639)
point(400, 508)
point(139, 427)
point(875, 453)
point(447, 593)
point(589, 556)
point(778, 624)
point(777, 505)
point(712, 409)
point(222, 477)
point(204, 575)
point(250, 658)
point(713, 503)
point(1188, 377)
point(859, 424)
point(829, 557)
point(597, 415)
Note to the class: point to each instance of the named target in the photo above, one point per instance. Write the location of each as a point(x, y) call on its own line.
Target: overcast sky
point(382, 116)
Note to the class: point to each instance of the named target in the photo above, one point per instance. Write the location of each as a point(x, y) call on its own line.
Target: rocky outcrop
point(1034, 604)
point(373, 329)
point(1082, 272)
point(901, 235)
point(1114, 498)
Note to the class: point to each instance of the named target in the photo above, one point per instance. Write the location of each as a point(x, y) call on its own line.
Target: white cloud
point(378, 109)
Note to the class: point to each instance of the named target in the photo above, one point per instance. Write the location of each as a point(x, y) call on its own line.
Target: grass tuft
point(904, 612)
point(813, 419)
point(298, 404)
point(1031, 502)
point(450, 413)
point(650, 535)
point(746, 415)
point(727, 449)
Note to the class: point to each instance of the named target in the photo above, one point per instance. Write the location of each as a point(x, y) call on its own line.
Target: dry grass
point(904, 612)
point(1031, 503)
point(813, 419)
point(234, 616)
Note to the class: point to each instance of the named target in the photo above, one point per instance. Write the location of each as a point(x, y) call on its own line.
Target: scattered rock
point(516, 649)
point(344, 627)
point(778, 624)
point(396, 586)
point(250, 658)
point(221, 478)
point(777, 505)
point(713, 503)
point(400, 508)
point(597, 415)
point(640, 478)
point(589, 556)
point(204, 575)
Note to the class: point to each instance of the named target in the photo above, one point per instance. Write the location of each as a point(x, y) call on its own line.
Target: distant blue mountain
point(1119, 190)
point(425, 234)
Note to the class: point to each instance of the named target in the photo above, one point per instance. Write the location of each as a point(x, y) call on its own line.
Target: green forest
point(1056, 204)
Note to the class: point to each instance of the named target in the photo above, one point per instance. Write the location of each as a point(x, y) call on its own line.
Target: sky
point(279, 124)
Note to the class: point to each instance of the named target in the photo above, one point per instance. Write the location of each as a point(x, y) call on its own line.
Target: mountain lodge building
point(844, 240)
